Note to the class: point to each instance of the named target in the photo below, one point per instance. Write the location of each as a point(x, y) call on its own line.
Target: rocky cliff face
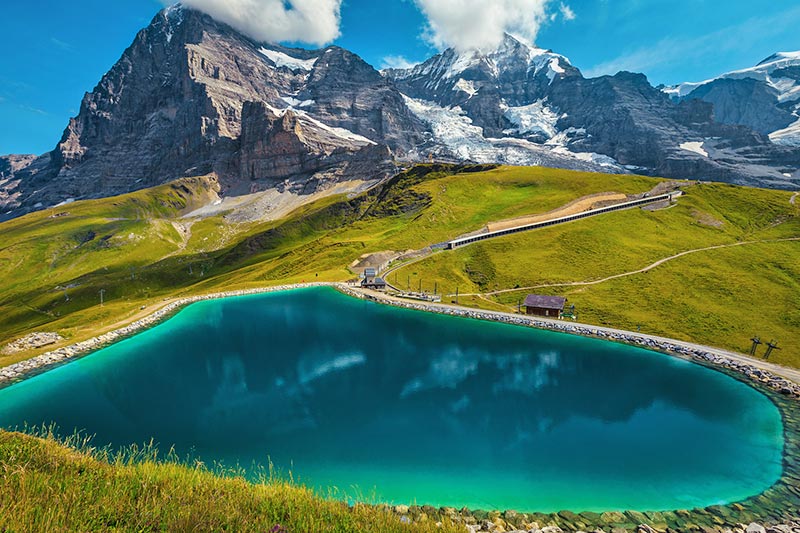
point(621, 122)
point(765, 98)
point(192, 96)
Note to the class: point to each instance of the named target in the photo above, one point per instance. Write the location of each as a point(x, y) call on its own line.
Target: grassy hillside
point(139, 250)
point(45, 486)
point(720, 297)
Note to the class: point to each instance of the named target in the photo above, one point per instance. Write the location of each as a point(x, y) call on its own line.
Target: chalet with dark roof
point(546, 306)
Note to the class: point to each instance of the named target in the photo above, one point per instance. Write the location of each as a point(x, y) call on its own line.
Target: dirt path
point(184, 230)
point(385, 275)
point(793, 199)
point(632, 273)
point(578, 206)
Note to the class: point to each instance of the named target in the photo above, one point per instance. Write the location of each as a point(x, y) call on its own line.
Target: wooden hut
point(546, 306)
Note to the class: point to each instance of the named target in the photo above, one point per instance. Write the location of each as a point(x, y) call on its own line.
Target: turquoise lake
point(400, 406)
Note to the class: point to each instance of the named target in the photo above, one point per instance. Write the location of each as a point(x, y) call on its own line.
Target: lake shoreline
point(769, 507)
point(711, 357)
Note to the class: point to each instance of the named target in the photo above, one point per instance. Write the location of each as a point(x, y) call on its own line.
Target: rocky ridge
point(523, 94)
point(765, 98)
point(192, 96)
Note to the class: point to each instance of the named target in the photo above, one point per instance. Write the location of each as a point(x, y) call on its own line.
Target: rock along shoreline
point(751, 372)
point(23, 369)
point(734, 518)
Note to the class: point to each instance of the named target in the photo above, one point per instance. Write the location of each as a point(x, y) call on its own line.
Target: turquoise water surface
point(409, 407)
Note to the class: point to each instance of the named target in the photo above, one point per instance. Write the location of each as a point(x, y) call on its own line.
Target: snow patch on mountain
point(466, 86)
point(454, 129)
point(590, 157)
point(285, 60)
point(770, 71)
point(466, 61)
point(696, 147)
point(683, 89)
point(308, 120)
point(342, 133)
point(554, 69)
point(563, 138)
point(294, 102)
point(789, 136)
point(535, 118)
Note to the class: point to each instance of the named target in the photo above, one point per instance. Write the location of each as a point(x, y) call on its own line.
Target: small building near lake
point(371, 280)
point(376, 283)
point(545, 306)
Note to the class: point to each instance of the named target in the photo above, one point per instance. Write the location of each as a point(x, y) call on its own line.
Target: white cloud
point(566, 11)
point(314, 22)
point(397, 62)
point(470, 24)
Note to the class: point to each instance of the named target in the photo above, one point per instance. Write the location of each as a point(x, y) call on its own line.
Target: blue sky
point(54, 51)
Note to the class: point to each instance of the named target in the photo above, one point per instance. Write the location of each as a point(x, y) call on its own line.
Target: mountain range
point(277, 126)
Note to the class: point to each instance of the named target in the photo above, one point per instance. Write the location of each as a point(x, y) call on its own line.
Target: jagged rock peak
point(512, 55)
point(789, 57)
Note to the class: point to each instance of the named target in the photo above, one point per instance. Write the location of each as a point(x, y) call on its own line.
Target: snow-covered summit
point(781, 59)
point(765, 97)
point(512, 58)
point(779, 71)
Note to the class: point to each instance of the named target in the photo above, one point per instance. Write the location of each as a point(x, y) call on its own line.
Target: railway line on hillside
point(647, 200)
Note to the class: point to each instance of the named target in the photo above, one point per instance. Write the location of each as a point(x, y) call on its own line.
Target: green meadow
point(136, 249)
point(141, 251)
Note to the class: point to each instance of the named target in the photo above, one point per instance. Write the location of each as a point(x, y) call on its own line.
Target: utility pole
point(771, 345)
point(435, 288)
point(519, 306)
point(420, 286)
point(756, 341)
point(102, 293)
point(456, 294)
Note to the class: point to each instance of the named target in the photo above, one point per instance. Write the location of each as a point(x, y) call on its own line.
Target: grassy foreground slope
point(45, 486)
point(140, 250)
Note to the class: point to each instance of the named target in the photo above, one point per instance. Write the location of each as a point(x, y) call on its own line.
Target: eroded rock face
point(746, 102)
point(523, 92)
point(176, 104)
point(192, 96)
point(277, 148)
